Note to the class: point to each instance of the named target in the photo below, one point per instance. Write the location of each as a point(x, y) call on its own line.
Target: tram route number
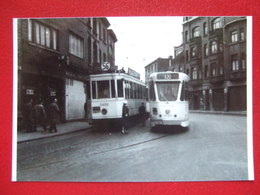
point(104, 104)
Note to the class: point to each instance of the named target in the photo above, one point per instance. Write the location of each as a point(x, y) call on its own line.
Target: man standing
point(27, 113)
point(142, 114)
point(39, 116)
point(125, 113)
point(54, 112)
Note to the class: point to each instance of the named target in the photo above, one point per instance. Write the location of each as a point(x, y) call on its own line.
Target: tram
point(106, 94)
point(168, 98)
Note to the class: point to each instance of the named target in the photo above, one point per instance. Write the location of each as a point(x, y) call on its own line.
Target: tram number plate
point(103, 104)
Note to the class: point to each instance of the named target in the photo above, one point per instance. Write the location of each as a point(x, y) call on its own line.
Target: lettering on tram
point(106, 94)
point(168, 98)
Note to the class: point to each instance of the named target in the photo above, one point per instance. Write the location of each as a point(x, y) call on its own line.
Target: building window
point(234, 36)
point(206, 50)
point(206, 72)
point(186, 36)
point(205, 28)
point(242, 34)
point(187, 55)
point(193, 52)
point(214, 69)
point(234, 63)
point(76, 45)
point(243, 61)
point(221, 70)
point(220, 47)
point(42, 35)
point(214, 47)
point(194, 73)
point(216, 23)
point(195, 32)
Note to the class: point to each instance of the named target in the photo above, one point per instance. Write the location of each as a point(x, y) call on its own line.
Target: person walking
point(27, 113)
point(86, 110)
point(125, 113)
point(54, 112)
point(39, 116)
point(142, 114)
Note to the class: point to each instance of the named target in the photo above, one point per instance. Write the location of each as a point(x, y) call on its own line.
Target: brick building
point(56, 55)
point(213, 54)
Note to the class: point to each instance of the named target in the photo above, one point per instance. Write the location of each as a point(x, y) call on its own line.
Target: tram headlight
point(104, 111)
point(155, 112)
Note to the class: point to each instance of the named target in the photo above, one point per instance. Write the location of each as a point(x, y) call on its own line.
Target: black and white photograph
point(132, 99)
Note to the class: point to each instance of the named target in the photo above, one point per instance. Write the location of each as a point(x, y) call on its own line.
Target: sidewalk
point(63, 128)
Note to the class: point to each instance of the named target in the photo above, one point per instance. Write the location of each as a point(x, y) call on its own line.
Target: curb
point(243, 113)
point(52, 135)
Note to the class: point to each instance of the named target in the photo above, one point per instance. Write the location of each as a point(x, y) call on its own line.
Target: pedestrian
point(54, 113)
point(39, 116)
point(142, 114)
point(86, 110)
point(125, 114)
point(27, 114)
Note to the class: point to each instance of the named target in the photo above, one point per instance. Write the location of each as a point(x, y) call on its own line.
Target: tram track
point(78, 151)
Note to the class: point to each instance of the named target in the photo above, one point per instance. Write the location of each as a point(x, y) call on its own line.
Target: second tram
point(106, 94)
point(168, 98)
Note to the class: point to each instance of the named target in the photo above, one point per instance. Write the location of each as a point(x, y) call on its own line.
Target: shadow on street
point(169, 129)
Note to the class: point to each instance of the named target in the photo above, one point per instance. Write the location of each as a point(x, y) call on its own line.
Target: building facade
point(158, 65)
point(213, 54)
point(56, 55)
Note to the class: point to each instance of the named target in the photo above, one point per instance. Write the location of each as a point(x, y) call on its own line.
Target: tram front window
point(168, 91)
point(103, 89)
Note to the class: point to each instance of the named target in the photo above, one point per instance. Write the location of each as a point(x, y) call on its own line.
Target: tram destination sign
point(168, 76)
point(133, 73)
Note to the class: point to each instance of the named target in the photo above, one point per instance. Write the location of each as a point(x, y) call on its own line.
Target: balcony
point(196, 82)
point(217, 79)
point(195, 41)
point(237, 75)
point(216, 33)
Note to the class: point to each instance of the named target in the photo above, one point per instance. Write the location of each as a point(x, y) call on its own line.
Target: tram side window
point(94, 95)
point(103, 89)
point(113, 91)
point(151, 91)
point(127, 90)
point(88, 90)
point(120, 88)
point(131, 91)
point(135, 90)
point(184, 92)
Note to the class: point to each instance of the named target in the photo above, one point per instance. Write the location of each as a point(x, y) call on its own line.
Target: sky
point(141, 40)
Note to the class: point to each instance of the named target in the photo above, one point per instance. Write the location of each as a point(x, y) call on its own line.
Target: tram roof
point(182, 75)
point(111, 75)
